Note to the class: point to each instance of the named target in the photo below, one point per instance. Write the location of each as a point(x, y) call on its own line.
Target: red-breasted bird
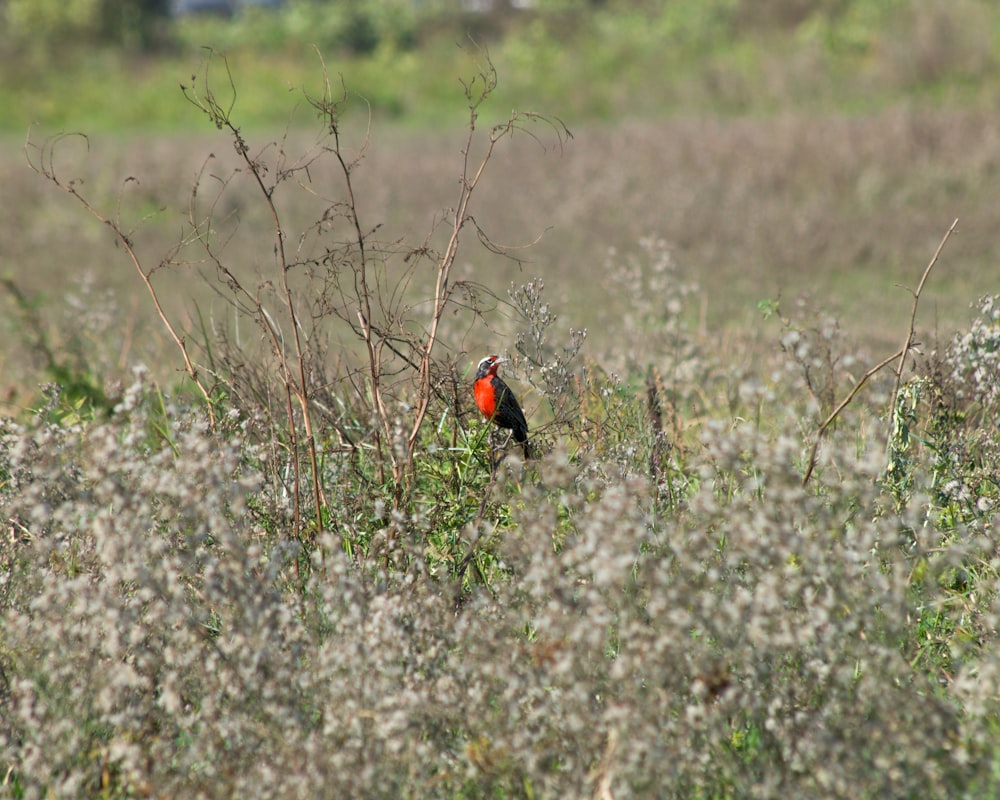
point(497, 402)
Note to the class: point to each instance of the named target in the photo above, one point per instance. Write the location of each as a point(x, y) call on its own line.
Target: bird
point(497, 402)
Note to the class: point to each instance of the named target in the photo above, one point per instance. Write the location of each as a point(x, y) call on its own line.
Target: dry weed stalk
point(331, 271)
point(899, 355)
point(385, 324)
point(41, 159)
point(292, 370)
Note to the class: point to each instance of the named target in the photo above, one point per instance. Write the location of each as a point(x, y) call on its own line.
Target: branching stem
point(899, 354)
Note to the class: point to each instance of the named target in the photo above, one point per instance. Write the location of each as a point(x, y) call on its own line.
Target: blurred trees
point(54, 24)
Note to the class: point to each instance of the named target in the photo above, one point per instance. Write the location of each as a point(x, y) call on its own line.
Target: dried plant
point(659, 606)
point(330, 280)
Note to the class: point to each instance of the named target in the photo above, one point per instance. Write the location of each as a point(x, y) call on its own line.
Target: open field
point(657, 608)
point(777, 151)
point(844, 210)
point(264, 544)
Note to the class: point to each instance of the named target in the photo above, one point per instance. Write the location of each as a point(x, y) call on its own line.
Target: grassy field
point(257, 539)
point(777, 153)
point(839, 210)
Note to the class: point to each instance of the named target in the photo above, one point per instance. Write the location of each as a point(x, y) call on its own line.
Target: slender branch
point(840, 407)
point(899, 354)
point(443, 288)
point(45, 166)
point(295, 379)
point(913, 313)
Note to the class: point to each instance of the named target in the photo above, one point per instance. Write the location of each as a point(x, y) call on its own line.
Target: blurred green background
point(113, 64)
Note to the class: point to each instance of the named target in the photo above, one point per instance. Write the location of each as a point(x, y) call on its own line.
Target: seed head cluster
point(715, 630)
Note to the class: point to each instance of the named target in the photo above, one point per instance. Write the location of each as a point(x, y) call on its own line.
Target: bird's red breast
point(486, 397)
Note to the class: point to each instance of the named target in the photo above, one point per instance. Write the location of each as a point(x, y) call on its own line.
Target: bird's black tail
point(521, 437)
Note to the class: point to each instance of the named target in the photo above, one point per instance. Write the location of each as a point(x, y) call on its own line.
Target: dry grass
point(657, 606)
point(709, 628)
point(842, 209)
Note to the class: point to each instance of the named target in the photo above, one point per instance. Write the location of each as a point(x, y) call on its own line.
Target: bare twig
point(602, 774)
point(469, 180)
point(840, 407)
point(41, 159)
point(913, 313)
point(899, 354)
point(293, 374)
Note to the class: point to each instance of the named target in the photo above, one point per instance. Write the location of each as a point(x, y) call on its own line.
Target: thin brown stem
point(904, 351)
point(45, 166)
point(899, 354)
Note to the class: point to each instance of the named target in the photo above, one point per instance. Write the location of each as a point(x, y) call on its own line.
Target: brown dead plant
point(349, 321)
point(899, 357)
point(41, 159)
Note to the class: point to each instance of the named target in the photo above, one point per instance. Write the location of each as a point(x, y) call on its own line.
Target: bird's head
point(488, 366)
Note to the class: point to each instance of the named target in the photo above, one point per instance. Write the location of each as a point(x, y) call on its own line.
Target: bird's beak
point(501, 360)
